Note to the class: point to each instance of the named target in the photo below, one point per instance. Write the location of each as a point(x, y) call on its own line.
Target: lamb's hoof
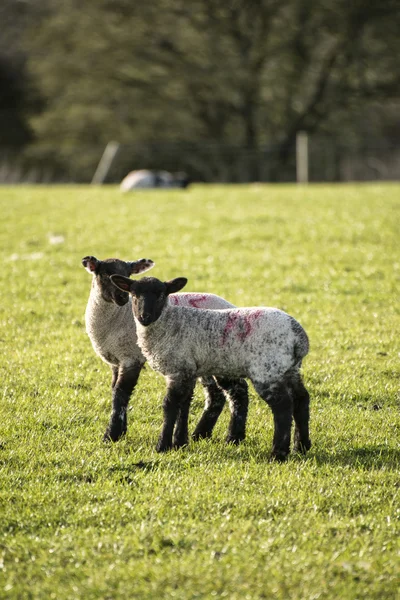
point(279, 455)
point(235, 438)
point(180, 442)
point(302, 447)
point(113, 434)
point(163, 447)
point(179, 446)
point(201, 435)
point(109, 437)
point(117, 428)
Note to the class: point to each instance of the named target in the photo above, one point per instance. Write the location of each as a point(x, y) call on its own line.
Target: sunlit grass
point(80, 519)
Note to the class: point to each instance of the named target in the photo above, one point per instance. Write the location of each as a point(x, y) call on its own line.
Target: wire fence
point(327, 160)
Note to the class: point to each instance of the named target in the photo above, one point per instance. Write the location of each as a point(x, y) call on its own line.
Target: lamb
point(145, 179)
point(265, 345)
point(112, 331)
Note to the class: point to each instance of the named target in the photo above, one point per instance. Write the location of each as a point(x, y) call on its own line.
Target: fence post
point(302, 157)
point(105, 163)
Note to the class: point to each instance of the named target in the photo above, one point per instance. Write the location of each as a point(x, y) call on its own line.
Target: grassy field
point(83, 519)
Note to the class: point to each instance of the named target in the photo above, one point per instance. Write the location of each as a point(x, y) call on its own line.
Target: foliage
point(19, 97)
point(86, 520)
point(230, 74)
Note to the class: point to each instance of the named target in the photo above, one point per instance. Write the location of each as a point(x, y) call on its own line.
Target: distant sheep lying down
point(145, 179)
point(265, 345)
point(112, 331)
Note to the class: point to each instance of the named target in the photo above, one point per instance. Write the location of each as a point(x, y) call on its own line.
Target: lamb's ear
point(123, 283)
point(141, 265)
point(90, 263)
point(174, 285)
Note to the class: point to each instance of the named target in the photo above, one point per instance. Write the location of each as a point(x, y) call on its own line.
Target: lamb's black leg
point(176, 402)
point(214, 403)
point(114, 378)
point(181, 434)
point(301, 414)
point(278, 398)
point(237, 391)
point(123, 383)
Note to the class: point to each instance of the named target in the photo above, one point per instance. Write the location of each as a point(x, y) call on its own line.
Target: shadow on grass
point(368, 458)
point(365, 458)
point(124, 473)
point(141, 465)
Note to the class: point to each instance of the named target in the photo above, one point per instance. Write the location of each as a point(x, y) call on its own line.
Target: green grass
point(80, 519)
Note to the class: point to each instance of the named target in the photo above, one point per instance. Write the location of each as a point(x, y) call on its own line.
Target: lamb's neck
point(100, 313)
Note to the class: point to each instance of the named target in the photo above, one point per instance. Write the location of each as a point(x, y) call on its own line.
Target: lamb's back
point(230, 342)
point(199, 300)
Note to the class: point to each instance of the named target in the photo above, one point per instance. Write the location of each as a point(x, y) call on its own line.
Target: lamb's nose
point(145, 318)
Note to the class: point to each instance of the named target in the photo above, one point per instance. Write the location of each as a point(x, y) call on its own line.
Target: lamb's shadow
point(364, 458)
point(124, 473)
point(361, 458)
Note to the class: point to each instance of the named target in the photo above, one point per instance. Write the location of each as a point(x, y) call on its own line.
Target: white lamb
point(265, 345)
point(145, 179)
point(112, 331)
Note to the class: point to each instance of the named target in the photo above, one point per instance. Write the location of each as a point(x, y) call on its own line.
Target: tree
point(18, 98)
point(221, 75)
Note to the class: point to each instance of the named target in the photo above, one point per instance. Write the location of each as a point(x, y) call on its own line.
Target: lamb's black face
point(148, 300)
point(149, 295)
point(103, 269)
point(108, 291)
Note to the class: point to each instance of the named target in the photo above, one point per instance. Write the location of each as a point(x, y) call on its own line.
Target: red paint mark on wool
point(197, 300)
point(230, 325)
point(249, 321)
point(240, 325)
point(194, 300)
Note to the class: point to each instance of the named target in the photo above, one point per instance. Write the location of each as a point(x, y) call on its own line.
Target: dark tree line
point(193, 82)
point(19, 99)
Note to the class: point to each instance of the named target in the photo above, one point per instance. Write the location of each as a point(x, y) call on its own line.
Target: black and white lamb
point(265, 345)
point(111, 328)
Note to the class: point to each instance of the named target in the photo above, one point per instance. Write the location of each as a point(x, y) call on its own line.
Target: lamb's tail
point(301, 342)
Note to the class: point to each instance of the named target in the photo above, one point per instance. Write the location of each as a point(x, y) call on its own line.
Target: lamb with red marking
point(112, 331)
point(265, 345)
